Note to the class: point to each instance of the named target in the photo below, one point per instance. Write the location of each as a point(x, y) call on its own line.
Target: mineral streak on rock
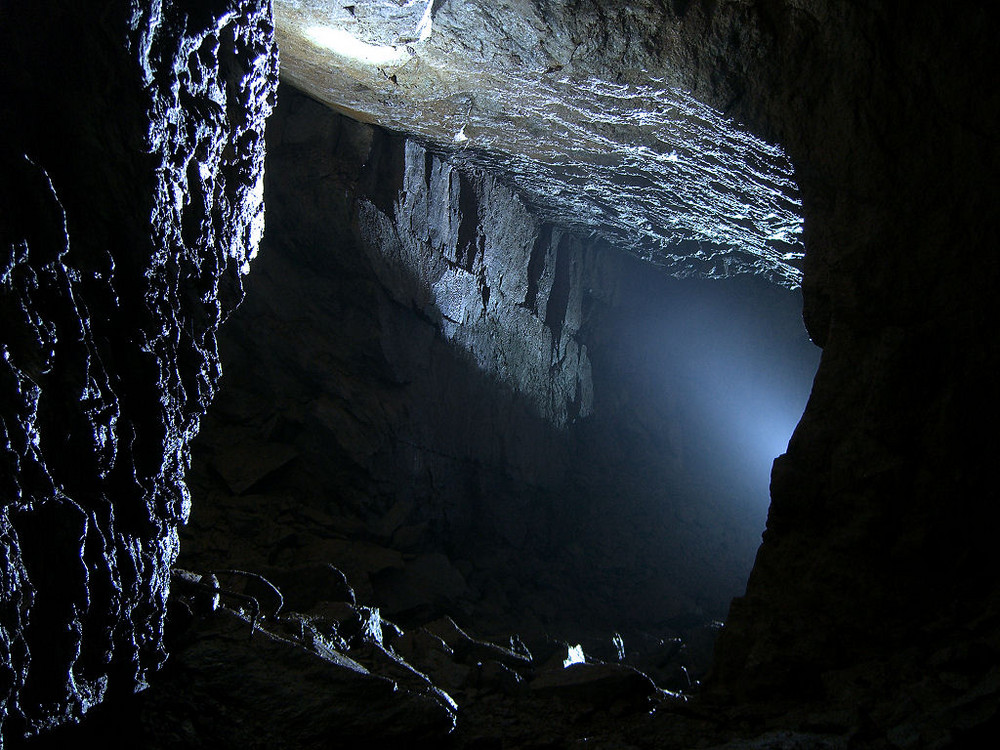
point(131, 185)
point(630, 157)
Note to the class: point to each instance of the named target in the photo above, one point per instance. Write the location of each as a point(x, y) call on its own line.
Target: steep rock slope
point(132, 166)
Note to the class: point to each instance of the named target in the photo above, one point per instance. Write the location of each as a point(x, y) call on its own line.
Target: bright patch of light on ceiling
point(344, 44)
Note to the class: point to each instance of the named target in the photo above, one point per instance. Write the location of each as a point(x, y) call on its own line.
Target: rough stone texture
point(464, 251)
point(226, 688)
point(243, 673)
point(131, 181)
point(878, 540)
point(577, 105)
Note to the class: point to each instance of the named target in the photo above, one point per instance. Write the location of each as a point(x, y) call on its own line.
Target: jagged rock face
point(877, 528)
point(465, 252)
point(132, 194)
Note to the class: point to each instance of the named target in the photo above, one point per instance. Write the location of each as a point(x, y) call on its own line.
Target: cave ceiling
point(583, 117)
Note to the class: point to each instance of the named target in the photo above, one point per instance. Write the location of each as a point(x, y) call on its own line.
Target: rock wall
point(878, 536)
point(131, 179)
point(464, 251)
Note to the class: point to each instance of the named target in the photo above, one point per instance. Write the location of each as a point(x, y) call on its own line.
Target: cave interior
point(510, 375)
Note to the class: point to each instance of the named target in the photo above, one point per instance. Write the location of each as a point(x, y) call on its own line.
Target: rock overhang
point(600, 140)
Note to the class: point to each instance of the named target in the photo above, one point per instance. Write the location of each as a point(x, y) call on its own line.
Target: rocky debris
point(598, 684)
point(433, 657)
point(233, 684)
point(662, 660)
point(786, 740)
point(130, 176)
point(305, 586)
point(246, 673)
point(471, 650)
point(438, 662)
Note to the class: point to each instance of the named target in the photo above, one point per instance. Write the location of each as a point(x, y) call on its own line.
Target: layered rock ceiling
point(461, 244)
point(590, 121)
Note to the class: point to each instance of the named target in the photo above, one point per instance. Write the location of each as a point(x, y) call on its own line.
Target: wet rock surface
point(132, 149)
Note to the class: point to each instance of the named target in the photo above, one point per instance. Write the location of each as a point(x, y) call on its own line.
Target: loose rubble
point(255, 665)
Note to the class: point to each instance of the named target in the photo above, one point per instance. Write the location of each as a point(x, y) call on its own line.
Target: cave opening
point(475, 413)
point(460, 353)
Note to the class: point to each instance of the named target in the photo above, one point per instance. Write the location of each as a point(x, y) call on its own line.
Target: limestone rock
point(431, 655)
point(470, 650)
point(304, 586)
